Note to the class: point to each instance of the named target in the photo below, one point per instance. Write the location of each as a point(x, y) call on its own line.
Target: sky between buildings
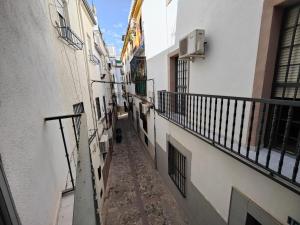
point(113, 19)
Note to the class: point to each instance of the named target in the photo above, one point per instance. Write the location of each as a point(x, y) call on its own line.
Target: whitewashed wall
point(40, 76)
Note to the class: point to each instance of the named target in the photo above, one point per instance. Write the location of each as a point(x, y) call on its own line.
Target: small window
point(146, 139)
point(99, 172)
point(77, 109)
point(98, 108)
point(177, 170)
point(251, 220)
point(101, 193)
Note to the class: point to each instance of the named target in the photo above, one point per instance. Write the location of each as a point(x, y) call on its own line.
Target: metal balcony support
point(60, 118)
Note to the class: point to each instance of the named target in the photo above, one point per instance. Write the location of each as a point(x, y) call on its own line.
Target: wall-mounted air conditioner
point(104, 145)
point(192, 45)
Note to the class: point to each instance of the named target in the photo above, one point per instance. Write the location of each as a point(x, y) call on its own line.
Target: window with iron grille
point(286, 81)
point(177, 168)
point(98, 108)
point(77, 109)
point(181, 75)
point(181, 83)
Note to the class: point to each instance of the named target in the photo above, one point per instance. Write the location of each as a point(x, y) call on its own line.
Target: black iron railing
point(70, 37)
point(262, 133)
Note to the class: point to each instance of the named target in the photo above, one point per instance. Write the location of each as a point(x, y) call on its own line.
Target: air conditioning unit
point(192, 45)
point(104, 145)
point(145, 108)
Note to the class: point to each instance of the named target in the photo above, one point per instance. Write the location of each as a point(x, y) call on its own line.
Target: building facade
point(52, 51)
point(221, 127)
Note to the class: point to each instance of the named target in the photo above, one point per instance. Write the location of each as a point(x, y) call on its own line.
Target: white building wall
point(40, 76)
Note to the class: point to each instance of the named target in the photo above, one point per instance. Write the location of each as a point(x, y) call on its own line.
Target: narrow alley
point(135, 192)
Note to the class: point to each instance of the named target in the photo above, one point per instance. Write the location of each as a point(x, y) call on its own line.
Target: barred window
point(98, 108)
point(77, 109)
point(177, 170)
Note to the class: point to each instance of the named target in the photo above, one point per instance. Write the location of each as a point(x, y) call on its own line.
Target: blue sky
point(113, 19)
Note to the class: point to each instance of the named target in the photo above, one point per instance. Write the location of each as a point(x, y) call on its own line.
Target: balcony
point(261, 133)
point(70, 37)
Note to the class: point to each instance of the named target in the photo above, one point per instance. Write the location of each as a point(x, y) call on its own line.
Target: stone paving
point(135, 193)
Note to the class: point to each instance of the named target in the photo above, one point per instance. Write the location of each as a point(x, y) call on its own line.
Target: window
point(99, 172)
point(98, 108)
point(62, 11)
point(286, 78)
point(251, 220)
point(176, 169)
point(77, 109)
point(181, 75)
point(101, 193)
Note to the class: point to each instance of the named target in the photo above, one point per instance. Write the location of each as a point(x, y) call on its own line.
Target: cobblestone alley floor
point(136, 194)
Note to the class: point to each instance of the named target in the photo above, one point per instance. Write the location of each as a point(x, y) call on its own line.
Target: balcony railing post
point(215, 119)
point(242, 126)
point(233, 125)
point(250, 128)
point(220, 120)
point(226, 123)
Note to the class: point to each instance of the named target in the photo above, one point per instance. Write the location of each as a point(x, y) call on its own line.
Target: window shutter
point(287, 71)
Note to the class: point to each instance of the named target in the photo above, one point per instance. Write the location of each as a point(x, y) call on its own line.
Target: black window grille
point(177, 168)
point(98, 108)
point(181, 84)
point(77, 109)
point(181, 75)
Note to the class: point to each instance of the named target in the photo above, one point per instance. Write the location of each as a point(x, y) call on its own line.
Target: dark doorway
point(251, 220)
